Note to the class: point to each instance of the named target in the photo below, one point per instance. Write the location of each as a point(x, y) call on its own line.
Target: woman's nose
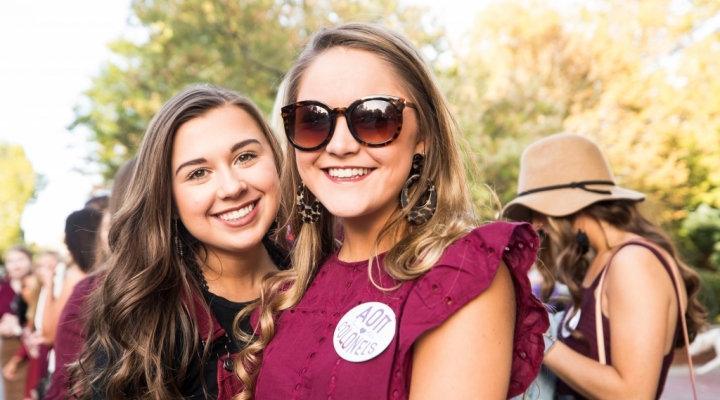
point(342, 142)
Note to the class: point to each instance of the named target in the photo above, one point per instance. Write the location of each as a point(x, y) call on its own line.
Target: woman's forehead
point(341, 75)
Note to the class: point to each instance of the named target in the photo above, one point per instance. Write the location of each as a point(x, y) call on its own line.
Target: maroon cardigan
point(7, 294)
point(71, 335)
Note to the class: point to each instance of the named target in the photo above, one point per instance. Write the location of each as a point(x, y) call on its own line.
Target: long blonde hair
point(415, 248)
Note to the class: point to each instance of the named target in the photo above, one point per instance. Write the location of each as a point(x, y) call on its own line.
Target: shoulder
point(86, 285)
point(515, 243)
point(81, 292)
point(468, 266)
point(637, 263)
point(639, 255)
point(73, 276)
point(466, 269)
point(4, 285)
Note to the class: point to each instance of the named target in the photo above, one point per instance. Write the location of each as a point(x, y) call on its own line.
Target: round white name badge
point(364, 332)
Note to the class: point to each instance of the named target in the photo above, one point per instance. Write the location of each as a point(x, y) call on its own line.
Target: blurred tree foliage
point(17, 186)
point(700, 235)
point(639, 77)
point(245, 45)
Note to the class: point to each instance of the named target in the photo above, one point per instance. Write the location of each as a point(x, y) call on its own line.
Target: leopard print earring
point(420, 214)
point(308, 213)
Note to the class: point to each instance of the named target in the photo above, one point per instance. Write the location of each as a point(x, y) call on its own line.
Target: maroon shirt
point(587, 345)
point(37, 367)
point(70, 336)
point(7, 294)
point(301, 361)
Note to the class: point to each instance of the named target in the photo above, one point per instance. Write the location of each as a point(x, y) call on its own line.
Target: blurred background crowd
point(639, 77)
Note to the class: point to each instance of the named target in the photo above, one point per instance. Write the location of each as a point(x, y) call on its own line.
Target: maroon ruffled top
point(301, 361)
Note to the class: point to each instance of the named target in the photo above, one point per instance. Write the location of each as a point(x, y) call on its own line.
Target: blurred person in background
point(31, 351)
point(71, 332)
point(81, 229)
point(99, 203)
point(18, 264)
point(46, 262)
point(618, 266)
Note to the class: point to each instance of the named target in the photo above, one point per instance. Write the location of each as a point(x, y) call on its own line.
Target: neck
point(236, 276)
point(603, 236)
point(16, 284)
point(359, 237)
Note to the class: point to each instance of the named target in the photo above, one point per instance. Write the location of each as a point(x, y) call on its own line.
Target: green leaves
point(243, 45)
point(635, 76)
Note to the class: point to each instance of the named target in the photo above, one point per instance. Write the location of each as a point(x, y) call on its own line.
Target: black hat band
point(572, 185)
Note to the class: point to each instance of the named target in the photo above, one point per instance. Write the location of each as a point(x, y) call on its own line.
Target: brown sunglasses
point(373, 121)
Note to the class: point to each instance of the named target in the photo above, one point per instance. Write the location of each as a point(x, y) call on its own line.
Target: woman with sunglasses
point(189, 249)
point(416, 301)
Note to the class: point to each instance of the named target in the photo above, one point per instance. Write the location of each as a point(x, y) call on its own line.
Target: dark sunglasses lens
point(375, 121)
point(311, 126)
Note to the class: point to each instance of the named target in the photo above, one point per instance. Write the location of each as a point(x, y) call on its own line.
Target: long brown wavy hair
point(121, 181)
point(572, 265)
point(415, 248)
point(544, 264)
point(141, 318)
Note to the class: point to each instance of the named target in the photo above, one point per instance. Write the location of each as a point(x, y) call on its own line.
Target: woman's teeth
point(344, 173)
point(233, 215)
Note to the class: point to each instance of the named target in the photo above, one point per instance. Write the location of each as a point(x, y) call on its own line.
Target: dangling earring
point(178, 246)
point(419, 214)
point(583, 241)
point(311, 213)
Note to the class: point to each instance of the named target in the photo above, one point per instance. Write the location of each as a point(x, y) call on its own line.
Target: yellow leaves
point(608, 69)
point(17, 185)
point(209, 9)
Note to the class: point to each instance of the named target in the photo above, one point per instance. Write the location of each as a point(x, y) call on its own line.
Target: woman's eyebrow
point(237, 146)
point(240, 145)
point(189, 163)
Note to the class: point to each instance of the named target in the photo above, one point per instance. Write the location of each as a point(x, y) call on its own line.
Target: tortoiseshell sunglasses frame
point(398, 102)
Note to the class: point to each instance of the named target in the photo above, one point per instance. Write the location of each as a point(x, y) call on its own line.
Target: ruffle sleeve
point(464, 271)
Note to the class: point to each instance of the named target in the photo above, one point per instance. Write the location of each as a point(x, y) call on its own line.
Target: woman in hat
point(633, 300)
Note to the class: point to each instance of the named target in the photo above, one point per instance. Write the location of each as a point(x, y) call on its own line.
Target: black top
point(224, 311)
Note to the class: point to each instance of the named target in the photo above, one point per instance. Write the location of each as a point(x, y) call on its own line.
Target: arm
point(54, 306)
point(469, 356)
point(640, 301)
point(10, 369)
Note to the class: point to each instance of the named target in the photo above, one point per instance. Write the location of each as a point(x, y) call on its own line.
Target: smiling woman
point(188, 251)
point(417, 301)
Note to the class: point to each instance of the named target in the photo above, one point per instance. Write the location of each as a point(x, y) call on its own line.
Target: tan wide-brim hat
point(562, 174)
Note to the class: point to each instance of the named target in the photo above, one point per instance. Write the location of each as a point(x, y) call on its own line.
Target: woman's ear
point(420, 147)
point(579, 221)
